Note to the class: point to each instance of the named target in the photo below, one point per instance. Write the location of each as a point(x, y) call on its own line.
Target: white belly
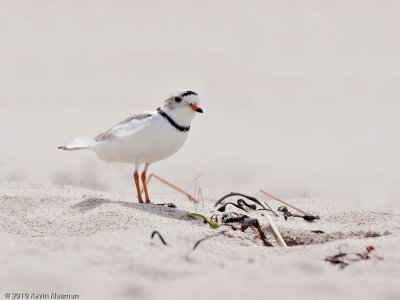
point(156, 141)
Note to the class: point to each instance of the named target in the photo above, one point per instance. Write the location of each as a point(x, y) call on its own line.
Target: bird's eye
point(178, 99)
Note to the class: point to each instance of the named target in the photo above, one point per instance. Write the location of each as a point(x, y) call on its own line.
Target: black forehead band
point(187, 93)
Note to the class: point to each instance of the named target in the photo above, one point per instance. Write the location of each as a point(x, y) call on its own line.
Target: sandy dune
point(70, 240)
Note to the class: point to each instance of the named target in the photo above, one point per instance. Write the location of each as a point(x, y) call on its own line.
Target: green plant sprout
point(213, 225)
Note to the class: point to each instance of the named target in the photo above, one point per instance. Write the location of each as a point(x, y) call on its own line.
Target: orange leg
point(146, 194)
point(136, 177)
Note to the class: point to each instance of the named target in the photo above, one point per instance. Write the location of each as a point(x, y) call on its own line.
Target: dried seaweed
point(247, 197)
point(232, 217)
point(286, 214)
point(250, 222)
point(222, 208)
point(155, 232)
point(207, 238)
point(204, 239)
point(344, 259)
point(241, 202)
point(170, 205)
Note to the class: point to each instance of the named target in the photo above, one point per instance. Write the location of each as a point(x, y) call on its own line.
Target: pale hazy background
point(300, 97)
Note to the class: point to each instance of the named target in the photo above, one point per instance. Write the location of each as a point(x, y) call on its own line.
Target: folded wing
point(125, 127)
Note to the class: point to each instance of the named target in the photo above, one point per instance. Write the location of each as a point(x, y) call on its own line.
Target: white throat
point(183, 116)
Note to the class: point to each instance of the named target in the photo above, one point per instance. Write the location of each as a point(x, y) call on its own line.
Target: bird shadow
point(163, 211)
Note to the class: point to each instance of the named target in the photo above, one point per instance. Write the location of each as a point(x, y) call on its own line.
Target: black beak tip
point(199, 110)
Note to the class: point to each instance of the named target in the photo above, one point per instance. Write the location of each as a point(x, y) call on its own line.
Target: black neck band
point(172, 122)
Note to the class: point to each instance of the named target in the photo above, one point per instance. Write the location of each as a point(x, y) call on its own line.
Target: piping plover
point(145, 137)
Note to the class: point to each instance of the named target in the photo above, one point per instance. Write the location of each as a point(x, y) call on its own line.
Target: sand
point(69, 240)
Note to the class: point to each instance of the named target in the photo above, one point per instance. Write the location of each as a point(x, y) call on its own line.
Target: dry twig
point(284, 202)
point(277, 234)
point(162, 180)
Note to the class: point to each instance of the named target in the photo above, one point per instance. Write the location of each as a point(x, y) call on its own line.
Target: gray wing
point(125, 127)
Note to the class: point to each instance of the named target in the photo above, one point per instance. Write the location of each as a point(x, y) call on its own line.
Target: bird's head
point(183, 105)
point(183, 99)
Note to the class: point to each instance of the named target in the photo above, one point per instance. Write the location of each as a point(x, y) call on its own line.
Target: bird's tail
point(79, 143)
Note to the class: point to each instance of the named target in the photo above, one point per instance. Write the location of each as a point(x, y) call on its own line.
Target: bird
point(145, 137)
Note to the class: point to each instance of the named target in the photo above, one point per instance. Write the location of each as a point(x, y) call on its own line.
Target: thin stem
point(277, 234)
point(284, 202)
point(164, 181)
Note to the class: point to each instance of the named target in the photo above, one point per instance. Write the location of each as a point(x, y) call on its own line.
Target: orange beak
point(196, 108)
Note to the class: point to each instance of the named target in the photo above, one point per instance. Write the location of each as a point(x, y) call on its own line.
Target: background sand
point(300, 98)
